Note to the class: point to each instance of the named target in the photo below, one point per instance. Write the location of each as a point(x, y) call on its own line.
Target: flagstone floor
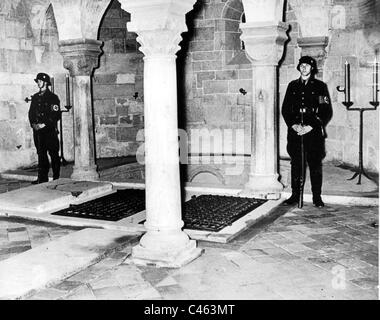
point(308, 253)
point(329, 253)
point(17, 235)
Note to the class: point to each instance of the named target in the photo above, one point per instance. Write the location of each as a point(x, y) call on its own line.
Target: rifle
point(302, 178)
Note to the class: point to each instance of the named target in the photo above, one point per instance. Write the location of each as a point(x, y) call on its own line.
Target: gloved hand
point(38, 126)
point(296, 127)
point(304, 130)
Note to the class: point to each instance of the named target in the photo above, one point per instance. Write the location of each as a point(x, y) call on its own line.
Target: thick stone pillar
point(159, 31)
point(81, 58)
point(314, 47)
point(264, 45)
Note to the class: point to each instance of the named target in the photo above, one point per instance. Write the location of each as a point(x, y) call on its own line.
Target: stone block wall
point(18, 68)
point(16, 77)
point(118, 111)
point(214, 69)
point(114, 33)
point(356, 42)
point(118, 88)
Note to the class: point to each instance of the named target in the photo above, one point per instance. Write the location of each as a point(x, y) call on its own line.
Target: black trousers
point(314, 152)
point(47, 142)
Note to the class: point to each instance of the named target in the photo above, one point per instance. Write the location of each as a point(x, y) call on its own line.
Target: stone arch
point(232, 16)
point(207, 169)
point(268, 12)
point(49, 31)
point(118, 86)
point(37, 11)
point(313, 17)
point(37, 15)
point(233, 10)
point(113, 28)
point(79, 19)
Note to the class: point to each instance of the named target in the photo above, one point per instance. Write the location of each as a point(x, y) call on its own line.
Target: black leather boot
point(40, 180)
point(317, 201)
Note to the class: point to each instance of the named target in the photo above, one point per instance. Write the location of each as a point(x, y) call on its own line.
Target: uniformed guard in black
point(44, 114)
point(310, 96)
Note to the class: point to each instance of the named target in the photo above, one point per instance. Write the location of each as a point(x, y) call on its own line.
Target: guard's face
point(41, 84)
point(305, 69)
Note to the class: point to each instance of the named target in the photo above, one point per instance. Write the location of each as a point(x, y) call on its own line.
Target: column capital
point(159, 43)
point(158, 24)
point(314, 47)
point(80, 56)
point(264, 43)
point(306, 42)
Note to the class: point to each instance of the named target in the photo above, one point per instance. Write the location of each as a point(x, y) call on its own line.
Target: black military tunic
point(314, 100)
point(45, 108)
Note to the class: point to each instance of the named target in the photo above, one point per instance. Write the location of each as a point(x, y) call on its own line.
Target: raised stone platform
point(38, 202)
point(52, 196)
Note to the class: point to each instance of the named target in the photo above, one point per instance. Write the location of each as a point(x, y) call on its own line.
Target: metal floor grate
point(114, 207)
point(205, 212)
point(213, 213)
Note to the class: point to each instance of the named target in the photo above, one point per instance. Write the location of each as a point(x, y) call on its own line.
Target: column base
point(263, 187)
point(85, 174)
point(170, 258)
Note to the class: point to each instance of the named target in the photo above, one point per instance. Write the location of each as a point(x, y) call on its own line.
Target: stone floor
point(7, 185)
point(18, 235)
point(308, 253)
point(329, 253)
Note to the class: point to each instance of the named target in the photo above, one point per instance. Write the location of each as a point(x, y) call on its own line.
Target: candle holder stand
point(63, 160)
point(348, 104)
point(67, 109)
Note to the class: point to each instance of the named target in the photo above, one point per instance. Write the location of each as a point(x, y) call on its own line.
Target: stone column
point(159, 31)
point(81, 58)
point(264, 45)
point(314, 47)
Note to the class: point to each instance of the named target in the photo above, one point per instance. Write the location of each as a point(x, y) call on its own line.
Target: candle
point(67, 90)
point(347, 97)
point(375, 80)
point(52, 84)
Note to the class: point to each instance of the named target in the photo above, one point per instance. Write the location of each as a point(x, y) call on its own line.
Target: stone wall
point(214, 68)
point(20, 61)
point(355, 43)
point(118, 110)
point(118, 87)
point(16, 80)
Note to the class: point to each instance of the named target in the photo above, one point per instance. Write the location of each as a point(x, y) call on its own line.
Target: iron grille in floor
point(205, 212)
